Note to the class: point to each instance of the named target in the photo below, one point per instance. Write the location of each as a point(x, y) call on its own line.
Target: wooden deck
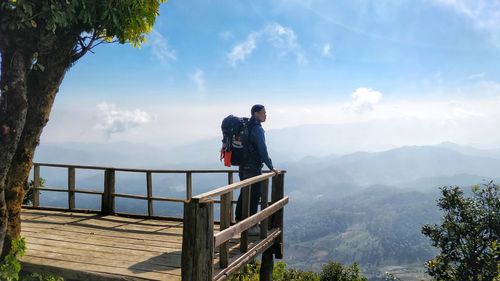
point(80, 246)
point(83, 246)
point(105, 245)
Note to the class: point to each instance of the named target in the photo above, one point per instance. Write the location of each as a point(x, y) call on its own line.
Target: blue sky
point(315, 61)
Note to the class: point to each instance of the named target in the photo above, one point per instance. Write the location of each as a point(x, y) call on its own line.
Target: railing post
point(197, 241)
point(264, 195)
point(267, 264)
point(108, 198)
point(36, 185)
point(245, 213)
point(226, 218)
point(71, 188)
point(149, 183)
point(225, 222)
point(278, 192)
point(189, 185)
point(230, 180)
point(267, 261)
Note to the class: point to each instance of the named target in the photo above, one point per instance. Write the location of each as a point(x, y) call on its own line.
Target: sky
point(431, 65)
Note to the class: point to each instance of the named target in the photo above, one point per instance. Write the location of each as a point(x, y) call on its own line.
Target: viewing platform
point(104, 244)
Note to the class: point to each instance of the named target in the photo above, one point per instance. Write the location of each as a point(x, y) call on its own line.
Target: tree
point(39, 41)
point(334, 271)
point(468, 235)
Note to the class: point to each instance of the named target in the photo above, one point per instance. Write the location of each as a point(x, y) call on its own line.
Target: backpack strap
point(251, 147)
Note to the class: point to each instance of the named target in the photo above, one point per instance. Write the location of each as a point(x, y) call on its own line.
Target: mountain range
point(366, 207)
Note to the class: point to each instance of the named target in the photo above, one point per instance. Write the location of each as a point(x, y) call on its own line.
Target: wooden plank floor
point(83, 246)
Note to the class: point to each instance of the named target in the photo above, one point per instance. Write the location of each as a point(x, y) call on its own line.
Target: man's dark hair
point(256, 108)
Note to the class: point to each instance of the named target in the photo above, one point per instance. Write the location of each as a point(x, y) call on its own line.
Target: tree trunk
point(42, 89)
point(13, 111)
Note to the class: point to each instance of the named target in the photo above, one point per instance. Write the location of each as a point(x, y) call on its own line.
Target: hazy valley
point(366, 207)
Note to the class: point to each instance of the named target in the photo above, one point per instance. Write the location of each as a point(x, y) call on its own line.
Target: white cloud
point(365, 99)
point(160, 48)
point(113, 121)
point(242, 50)
point(281, 38)
point(326, 51)
point(198, 77)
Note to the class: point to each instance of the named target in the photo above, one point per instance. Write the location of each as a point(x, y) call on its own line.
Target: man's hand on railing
point(276, 171)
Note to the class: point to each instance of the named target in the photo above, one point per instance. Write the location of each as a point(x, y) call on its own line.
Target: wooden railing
point(199, 239)
point(109, 194)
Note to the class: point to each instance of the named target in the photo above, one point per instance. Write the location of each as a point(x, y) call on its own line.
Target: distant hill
point(410, 163)
point(420, 168)
point(430, 184)
point(472, 151)
point(285, 145)
point(376, 227)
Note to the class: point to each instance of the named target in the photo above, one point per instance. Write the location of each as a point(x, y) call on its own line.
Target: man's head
point(258, 111)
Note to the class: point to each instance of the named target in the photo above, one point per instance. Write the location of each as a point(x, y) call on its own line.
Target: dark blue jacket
point(258, 150)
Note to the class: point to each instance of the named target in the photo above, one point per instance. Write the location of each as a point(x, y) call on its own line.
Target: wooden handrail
point(179, 171)
point(245, 224)
point(237, 185)
point(109, 194)
point(50, 189)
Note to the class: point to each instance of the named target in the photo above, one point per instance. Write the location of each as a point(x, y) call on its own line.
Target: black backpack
point(236, 147)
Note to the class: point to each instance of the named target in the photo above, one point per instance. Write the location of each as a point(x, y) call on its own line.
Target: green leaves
point(332, 271)
point(468, 235)
point(127, 21)
point(337, 272)
point(9, 270)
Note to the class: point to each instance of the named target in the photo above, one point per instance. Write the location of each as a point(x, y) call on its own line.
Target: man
point(258, 156)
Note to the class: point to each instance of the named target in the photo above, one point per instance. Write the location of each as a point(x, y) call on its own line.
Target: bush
point(331, 272)
point(280, 273)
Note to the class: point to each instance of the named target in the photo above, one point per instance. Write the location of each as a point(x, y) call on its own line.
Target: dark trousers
point(255, 190)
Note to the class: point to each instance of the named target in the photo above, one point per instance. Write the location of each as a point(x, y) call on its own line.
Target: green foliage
point(28, 191)
point(331, 272)
point(41, 277)
point(249, 273)
point(9, 270)
point(468, 235)
point(127, 21)
point(337, 272)
point(280, 273)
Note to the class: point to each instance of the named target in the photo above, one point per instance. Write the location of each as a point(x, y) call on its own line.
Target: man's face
point(261, 115)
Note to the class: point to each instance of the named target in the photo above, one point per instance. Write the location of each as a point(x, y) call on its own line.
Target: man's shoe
point(254, 230)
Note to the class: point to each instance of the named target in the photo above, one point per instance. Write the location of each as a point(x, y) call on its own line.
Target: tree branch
point(85, 48)
point(94, 41)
